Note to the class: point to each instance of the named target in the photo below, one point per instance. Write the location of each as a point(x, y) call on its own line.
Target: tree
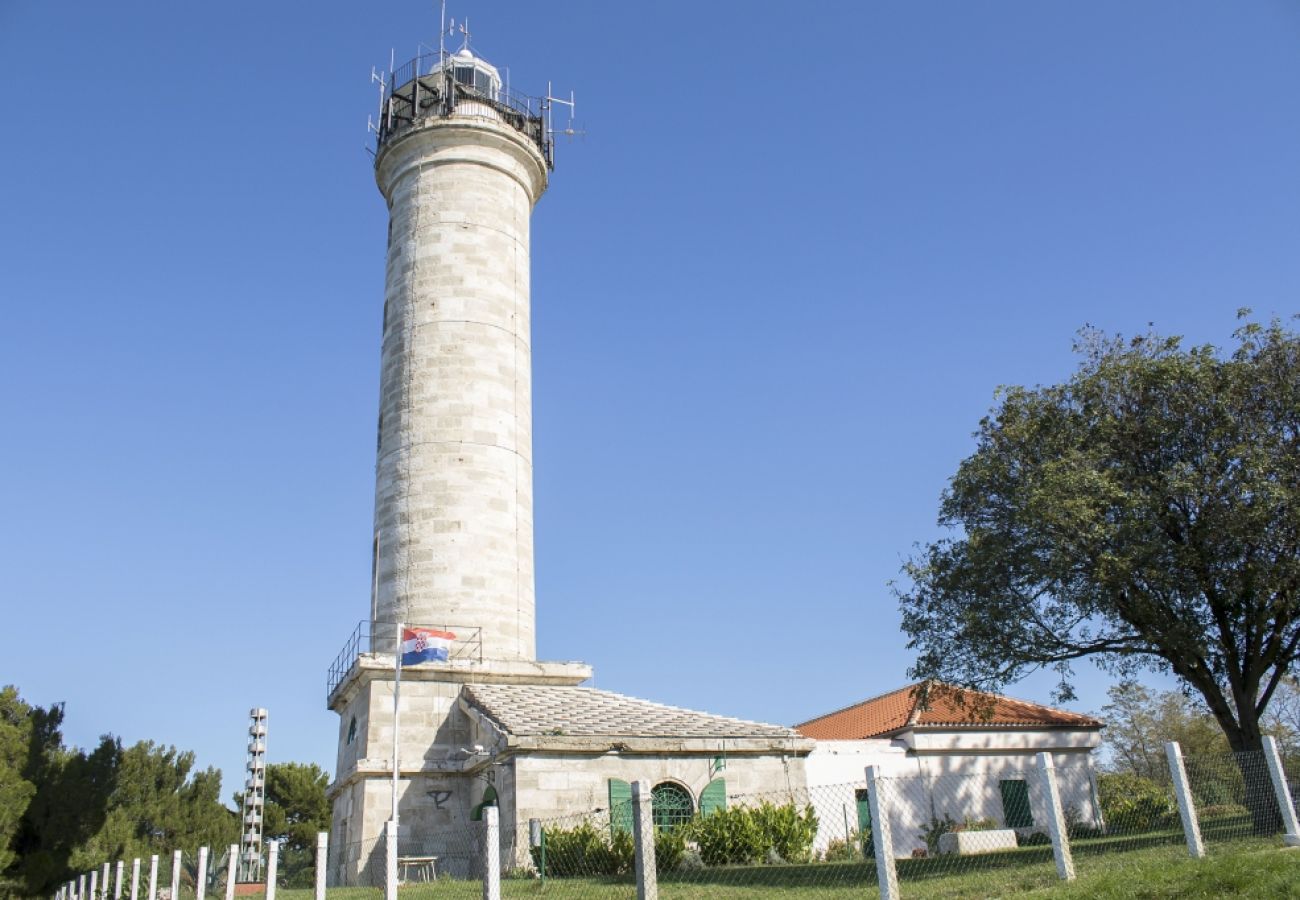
point(66, 807)
point(1139, 721)
point(1146, 514)
point(16, 791)
point(159, 803)
point(296, 811)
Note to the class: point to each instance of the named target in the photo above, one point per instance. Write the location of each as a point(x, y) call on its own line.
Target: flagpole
point(397, 691)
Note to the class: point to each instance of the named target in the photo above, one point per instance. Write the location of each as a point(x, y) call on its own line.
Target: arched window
point(671, 805)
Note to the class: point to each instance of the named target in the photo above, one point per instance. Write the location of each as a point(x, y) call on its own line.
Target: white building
point(963, 755)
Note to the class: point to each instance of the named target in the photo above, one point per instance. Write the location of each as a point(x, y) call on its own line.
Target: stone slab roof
point(946, 707)
point(530, 709)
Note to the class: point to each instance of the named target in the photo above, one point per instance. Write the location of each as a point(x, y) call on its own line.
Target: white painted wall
point(955, 773)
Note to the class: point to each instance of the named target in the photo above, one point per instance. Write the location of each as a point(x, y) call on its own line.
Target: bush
point(1134, 803)
point(746, 836)
point(670, 847)
point(854, 848)
point(935, 830)
point(585, 850)
point(969, 824)
point(1223, 811)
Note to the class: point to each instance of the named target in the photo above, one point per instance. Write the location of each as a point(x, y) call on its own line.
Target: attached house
point(948, 753)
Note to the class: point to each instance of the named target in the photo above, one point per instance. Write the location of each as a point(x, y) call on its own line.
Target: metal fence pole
point(272, 865)
point(201, 879)
point(643, 836)
point(882, 836)
point(491, 853)
point(1283, 792)
point(176, 875)
point(153, 877)
point(1056, 819)
point(135, 878)
point(390, 860)
point(1186, 805)
point(322, 860)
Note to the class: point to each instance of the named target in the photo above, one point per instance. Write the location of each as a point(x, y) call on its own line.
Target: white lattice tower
point(250, 848)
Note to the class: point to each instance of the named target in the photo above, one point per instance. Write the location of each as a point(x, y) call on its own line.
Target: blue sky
point(775, 287)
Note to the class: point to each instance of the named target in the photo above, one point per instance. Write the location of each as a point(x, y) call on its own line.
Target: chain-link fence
point(976, 831)
point(1236, 800)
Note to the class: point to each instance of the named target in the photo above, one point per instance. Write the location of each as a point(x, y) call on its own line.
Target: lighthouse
point(461, 168)
point(461, 161)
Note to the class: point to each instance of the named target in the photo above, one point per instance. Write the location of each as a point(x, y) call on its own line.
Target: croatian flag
point(425, 645)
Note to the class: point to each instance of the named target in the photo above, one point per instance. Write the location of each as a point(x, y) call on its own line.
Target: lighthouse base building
point(529, 740)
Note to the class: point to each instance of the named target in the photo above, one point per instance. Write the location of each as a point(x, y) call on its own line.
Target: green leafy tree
point(68, 806)
point(1139, 721)
point(16, 791)
point(296, 810)
point(159, 803)
point(1145, 514)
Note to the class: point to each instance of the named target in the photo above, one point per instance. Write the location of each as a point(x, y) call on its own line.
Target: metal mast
point(250, 856)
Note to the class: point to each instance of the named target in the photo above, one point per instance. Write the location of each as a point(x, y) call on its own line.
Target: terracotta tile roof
point(529, 709)
point(899, 710)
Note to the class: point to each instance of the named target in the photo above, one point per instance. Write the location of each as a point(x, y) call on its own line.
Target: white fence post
point(153, 877)
point(882, 836)
point(176, 875)
point(232, 867)
point(1186, 805)
point(135, 879)
point(643, 836)
point(491, 853)
point(201, 879)
point(103, 884)
point(1056, 819)
point(1283, 792)
point(322, 861)
point(117, 881)
point(272, 865)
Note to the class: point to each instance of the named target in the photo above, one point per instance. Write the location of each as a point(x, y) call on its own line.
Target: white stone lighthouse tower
point(454, 483)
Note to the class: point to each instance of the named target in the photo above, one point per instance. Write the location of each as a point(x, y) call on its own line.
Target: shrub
point(670, 847)
point(1131, 802)
point(789, 833)
point(843, 850)
point(936, 829)
point(585, 850)
point(1223, 811)
point(969, 824)
point(745, 836)
point(729, 837)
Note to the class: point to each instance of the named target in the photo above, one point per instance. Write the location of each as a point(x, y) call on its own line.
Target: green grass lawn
point(1153, 866)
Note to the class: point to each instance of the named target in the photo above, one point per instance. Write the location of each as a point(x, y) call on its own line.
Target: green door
point(864, 821)
point(1015, 803)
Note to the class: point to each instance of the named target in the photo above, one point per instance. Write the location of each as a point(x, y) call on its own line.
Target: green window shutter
point(1015, 803)
point(714, 797)
point(620, 806)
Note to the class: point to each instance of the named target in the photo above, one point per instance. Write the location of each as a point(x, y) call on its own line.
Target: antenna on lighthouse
point(548, 109)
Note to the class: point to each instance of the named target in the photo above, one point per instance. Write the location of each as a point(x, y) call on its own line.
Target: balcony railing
point(425, 88)
point(370, 639)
